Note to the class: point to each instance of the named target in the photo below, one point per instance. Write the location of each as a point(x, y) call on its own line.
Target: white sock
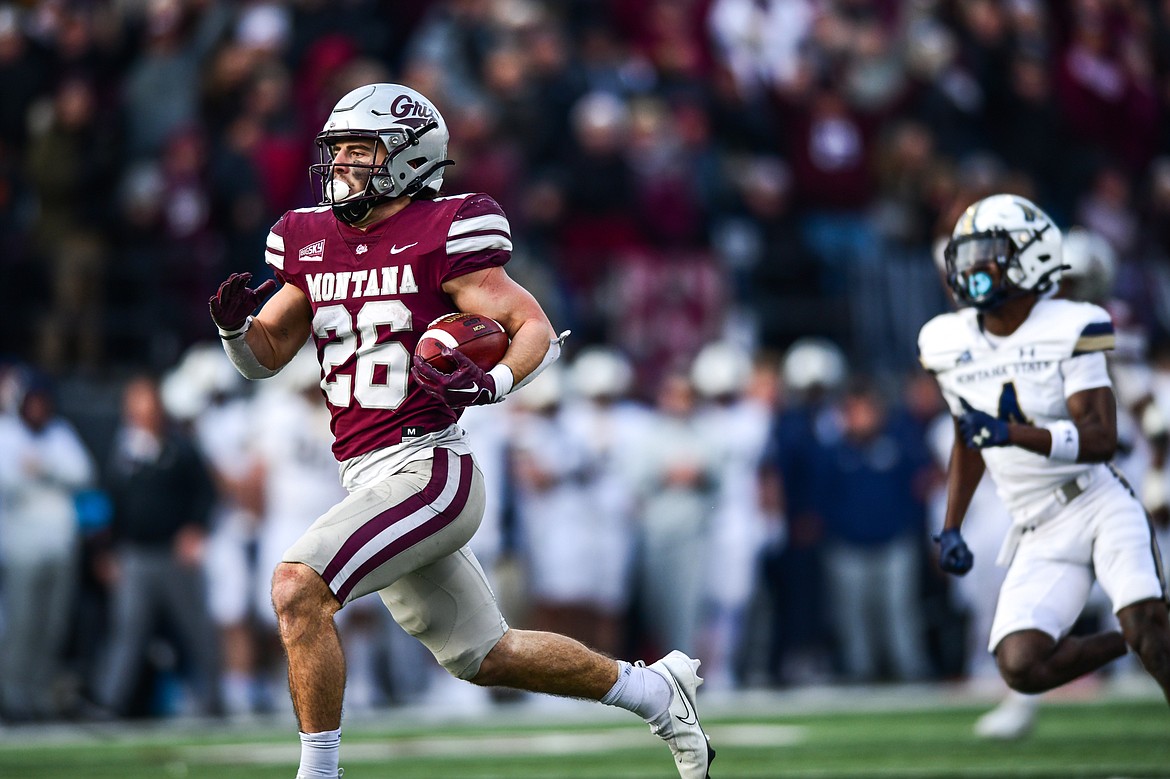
point(640, 690)
point(319, 754)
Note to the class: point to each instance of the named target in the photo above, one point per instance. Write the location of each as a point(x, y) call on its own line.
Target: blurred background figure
point(574, 560)
point(812, 374)
point(206, 394)
point(734, 416)
point(72, 170)
point(43, 466)
point(162, 494)
point(875, 480)
point(606, 421)
point(676, 473)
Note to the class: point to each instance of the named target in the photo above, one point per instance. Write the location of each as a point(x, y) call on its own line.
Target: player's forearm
point(528, 348)
point(262, 344)
point(963, 476)
point(1096, 442)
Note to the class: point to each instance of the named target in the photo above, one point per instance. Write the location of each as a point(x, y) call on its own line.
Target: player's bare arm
point(491, 292)
point(281, 328)
point(1093, 412)
point(963, 476)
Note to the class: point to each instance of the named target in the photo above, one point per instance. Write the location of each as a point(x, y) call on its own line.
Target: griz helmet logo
point(404, 107)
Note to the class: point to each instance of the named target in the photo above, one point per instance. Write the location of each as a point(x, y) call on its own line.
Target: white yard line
point(567, 742)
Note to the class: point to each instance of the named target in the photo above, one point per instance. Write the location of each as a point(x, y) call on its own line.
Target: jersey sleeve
point(274, 249)
point(479, 237)
point(1084, 372)
point(939, 344)
point(1090, 334)
point(1096, 336)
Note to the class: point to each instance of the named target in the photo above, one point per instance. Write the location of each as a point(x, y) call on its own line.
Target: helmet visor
point(977, 266)
point(967, 252)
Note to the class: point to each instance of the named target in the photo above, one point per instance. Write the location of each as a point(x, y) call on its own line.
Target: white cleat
point(1012, 719)
point(680, 727)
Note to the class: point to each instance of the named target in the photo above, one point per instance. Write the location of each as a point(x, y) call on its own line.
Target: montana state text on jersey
point(1024, 377)
point(373, 293)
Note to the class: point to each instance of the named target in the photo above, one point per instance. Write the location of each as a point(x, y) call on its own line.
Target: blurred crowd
point(735, 205)
point(673, 170)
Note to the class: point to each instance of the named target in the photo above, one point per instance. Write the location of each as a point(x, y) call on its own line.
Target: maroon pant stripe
point(425, 530)
point(395, 513)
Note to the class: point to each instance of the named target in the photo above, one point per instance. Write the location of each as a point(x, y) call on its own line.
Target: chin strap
point(353, 212)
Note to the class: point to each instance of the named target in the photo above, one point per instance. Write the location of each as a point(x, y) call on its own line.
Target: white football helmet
point(814, 362)
point(601, 373)
point(1090, 266)
point(721, 370)
point(1014, 234)
point(410, 128)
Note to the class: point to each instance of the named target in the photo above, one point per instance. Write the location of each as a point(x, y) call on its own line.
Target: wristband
point(231, 335)
point(504, 379)
point(1066, 441)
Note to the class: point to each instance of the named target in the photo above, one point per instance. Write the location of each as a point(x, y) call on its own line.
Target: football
point(479, 337)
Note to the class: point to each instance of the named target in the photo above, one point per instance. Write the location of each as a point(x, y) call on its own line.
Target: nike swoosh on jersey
point(400, 249)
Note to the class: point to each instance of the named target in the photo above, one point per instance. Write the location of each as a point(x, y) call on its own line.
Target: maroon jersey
point(373, 294)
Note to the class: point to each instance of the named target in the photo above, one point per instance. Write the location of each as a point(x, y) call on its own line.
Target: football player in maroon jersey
point(364, 273)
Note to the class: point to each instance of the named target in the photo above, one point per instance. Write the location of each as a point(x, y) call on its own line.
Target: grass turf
point(1105, 739)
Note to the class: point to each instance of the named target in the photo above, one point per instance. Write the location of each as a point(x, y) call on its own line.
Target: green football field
point(837, 733)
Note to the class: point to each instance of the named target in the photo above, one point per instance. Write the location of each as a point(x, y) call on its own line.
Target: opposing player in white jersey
point(363, 274)
point(1025, 378)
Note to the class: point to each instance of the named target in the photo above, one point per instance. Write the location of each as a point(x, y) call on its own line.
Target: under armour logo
point(984, 434)
point(361, 249)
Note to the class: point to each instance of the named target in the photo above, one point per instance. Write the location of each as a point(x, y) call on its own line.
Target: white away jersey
point(1024, 377)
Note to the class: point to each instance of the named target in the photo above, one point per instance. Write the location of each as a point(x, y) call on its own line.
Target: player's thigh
point(1042, 594)
point(450, 607)
point(424, 512)
point(1125, 551)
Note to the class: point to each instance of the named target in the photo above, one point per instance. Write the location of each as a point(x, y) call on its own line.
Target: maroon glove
point(234, 301)
point(467, 385)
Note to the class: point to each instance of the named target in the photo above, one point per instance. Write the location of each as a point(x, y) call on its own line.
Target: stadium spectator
point(812, 375)
point(162, 494)
point(676, 473)
point(734, 410)
point(43, 465)
point(872, 558)
point(71, 168)
point(606, 422)
point(220, 423)
point(571, 558)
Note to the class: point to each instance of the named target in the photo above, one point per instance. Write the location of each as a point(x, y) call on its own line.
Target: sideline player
point(1025, 378)
point(364, 273)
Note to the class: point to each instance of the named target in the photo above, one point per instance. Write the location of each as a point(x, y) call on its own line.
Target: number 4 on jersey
point(1009, 405)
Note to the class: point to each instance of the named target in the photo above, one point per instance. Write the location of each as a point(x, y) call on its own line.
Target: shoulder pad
point(944, 340)
point(1081, 328)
